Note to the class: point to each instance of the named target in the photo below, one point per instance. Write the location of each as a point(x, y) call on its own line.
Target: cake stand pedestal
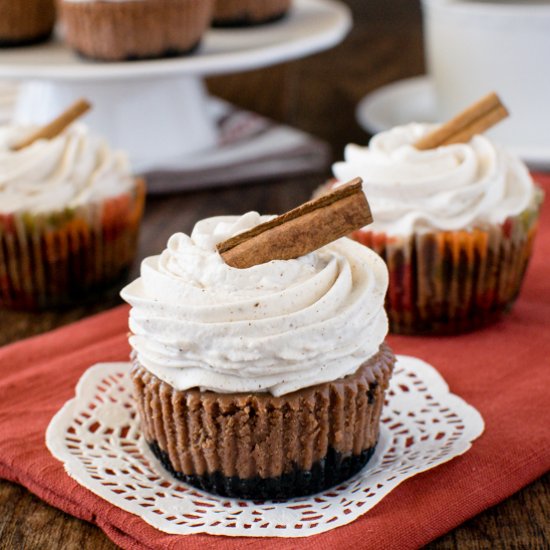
point(158, 111)
point(156, 121)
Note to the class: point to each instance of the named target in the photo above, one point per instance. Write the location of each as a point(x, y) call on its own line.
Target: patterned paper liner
point(61, 258)
point(446, 282)
point(259, 446)
point(237, 13)
point(115, 31)
point(24, 22)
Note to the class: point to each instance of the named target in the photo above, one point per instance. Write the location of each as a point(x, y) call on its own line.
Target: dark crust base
point(170, 52)
point(19, 42)
point(328, 472)
point(247, 21)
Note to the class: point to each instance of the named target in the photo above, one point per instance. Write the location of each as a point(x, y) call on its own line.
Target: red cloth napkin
point(503, 371)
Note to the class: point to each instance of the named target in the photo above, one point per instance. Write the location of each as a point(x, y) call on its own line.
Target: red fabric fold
point(503, 370)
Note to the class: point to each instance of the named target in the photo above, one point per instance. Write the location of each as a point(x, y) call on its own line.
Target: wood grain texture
point(318, 95)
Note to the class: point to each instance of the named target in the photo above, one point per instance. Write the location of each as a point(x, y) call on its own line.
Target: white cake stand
point(158, 110)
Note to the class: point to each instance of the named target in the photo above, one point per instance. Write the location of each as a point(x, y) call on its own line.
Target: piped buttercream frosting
point(74, 168)
point(275, 327)
point(451, 187)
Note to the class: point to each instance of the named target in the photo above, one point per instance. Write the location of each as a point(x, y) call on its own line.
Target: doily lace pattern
point(97, 437)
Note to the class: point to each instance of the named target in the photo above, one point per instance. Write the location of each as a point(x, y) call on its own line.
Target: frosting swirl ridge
point(71, 169)
point(451, 187)
point(276, 327)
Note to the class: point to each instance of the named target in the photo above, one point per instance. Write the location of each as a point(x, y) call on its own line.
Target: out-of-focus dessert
point(119, 30)
point(244, 13)
point(25, 22)
point(454, 221)
point(69, 217)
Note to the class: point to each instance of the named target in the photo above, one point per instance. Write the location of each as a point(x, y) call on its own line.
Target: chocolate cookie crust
point(327, 472)
point(317, 436)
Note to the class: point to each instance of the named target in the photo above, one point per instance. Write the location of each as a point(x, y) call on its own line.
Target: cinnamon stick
point(56, 126)
point(302, 230)
point(474, 120)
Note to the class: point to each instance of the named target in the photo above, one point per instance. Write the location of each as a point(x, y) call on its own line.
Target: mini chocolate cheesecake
point(25, 22)
point(134, 30)
point(259, 358)
point(257, 446)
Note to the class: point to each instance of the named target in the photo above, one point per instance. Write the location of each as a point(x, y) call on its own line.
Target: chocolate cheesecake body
point(247, 445)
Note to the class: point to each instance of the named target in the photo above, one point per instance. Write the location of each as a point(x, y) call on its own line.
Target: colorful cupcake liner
point(117, 31)
point(257, 445)
point(236, 13)
point(61, 258)
point(25, 22)
point(446, 282)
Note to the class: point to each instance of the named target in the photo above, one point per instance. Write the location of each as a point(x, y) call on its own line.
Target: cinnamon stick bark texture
point(474, 120)
point(302, 230)
point(56, 126)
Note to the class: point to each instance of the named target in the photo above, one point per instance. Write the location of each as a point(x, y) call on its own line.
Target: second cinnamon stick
point(56, 126)
point(474, 120)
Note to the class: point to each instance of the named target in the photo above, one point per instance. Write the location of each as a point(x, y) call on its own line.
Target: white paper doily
point(96, 436)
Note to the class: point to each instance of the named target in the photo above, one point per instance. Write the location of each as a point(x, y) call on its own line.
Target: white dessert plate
point(170, 93)
point(414, 100)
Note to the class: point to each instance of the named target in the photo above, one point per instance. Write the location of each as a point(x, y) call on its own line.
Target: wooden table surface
point(318, 95)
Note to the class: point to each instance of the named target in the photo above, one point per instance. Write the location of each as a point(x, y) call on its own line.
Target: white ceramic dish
point(311, 26)
point(414, 100)
point(158, 110)
point(475, 47)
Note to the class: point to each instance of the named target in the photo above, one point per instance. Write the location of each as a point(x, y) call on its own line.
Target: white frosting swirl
point(448, 188)
point(276, 327)
point(71, 169)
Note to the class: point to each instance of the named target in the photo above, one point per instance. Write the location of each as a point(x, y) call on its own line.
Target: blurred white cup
point(474, 47)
